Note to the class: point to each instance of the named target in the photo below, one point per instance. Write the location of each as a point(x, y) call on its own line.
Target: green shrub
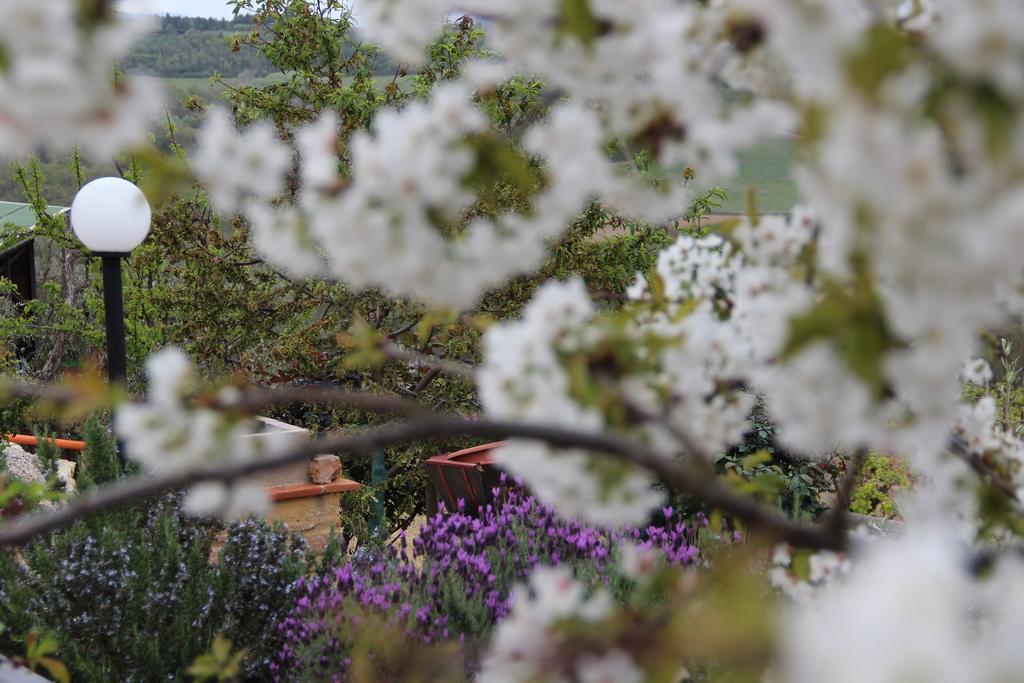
point(98, 464)
point(881, 478)
point(764, 469)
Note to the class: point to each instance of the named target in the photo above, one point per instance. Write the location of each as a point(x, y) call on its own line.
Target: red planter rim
point(468, 458)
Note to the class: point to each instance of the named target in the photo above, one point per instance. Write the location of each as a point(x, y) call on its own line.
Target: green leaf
point(802, 564)
point(56, 669)
point(577, 19)
point(852, 318)
point(998, 118)
point(759, 458)
point(499, 163)
point(219, 663)
point(204, 668)
point(884, 52)
point(221, 648)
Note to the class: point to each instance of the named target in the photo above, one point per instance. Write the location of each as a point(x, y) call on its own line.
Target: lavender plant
point(454, 580)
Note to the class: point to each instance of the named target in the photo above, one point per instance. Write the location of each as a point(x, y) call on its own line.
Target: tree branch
point(427, 380)
point(249, 400)
point(844, 492)
point(676, 475)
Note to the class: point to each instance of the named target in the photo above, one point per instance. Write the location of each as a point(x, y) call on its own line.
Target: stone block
point(323, 469)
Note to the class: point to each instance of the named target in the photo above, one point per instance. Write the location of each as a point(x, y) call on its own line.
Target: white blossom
point(527, 641)
point(575, 484)
point(982, 38)
point(236, 164)
point(614, 666)
point(977, 371)
point(166, 435)
point(57, 88)
point(939, 623)
point(229, 502)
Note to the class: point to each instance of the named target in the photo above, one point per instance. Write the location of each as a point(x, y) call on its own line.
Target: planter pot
point(468, 475)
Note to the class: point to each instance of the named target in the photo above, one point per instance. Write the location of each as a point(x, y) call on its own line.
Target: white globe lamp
point(111, 216)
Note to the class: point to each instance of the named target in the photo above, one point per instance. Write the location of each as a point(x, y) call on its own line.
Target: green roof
point(22, 215)
point(16, 218)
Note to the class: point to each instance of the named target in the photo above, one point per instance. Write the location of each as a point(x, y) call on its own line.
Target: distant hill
point(193, 47)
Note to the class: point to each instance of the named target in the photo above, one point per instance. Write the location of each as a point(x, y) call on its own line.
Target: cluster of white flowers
point(649, 65)
point(527, 645)
point(57, 82)
point(640, 562)
point(235, 166)
point(983, 38)
point(649, 68)
point(986, 439)
point(977, 371)
point(525, 378)
point(923, 202)
point(806, 37)
point(727, 307)
point(911, 610)
point(822, 570)
point(387, 228)
point(165, 435)
point(715, 304)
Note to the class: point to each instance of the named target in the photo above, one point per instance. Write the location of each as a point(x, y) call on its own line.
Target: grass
point(767, 167)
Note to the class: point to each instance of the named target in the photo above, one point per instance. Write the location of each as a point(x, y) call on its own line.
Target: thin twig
point(397, 352)
point(249, 400)
point(681, 436)
point(325, 394)
point(960, 449)
point(403, 329)
point(428, 378)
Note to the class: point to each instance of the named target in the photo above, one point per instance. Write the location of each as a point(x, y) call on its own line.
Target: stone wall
point(313, 510)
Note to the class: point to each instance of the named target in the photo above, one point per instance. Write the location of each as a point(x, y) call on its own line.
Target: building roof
point(22, 215)
point(15, 220)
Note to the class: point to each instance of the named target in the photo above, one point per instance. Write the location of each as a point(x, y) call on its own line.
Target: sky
point(192, 8)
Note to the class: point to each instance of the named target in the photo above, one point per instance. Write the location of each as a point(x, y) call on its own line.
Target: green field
point(767, 168)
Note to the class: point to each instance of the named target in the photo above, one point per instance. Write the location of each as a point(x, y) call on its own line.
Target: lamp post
point(112, 217)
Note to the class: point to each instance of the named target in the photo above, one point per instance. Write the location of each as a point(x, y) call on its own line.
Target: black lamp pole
point(113, 306)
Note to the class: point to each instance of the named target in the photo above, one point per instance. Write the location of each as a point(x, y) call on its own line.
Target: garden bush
point(797, 486)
